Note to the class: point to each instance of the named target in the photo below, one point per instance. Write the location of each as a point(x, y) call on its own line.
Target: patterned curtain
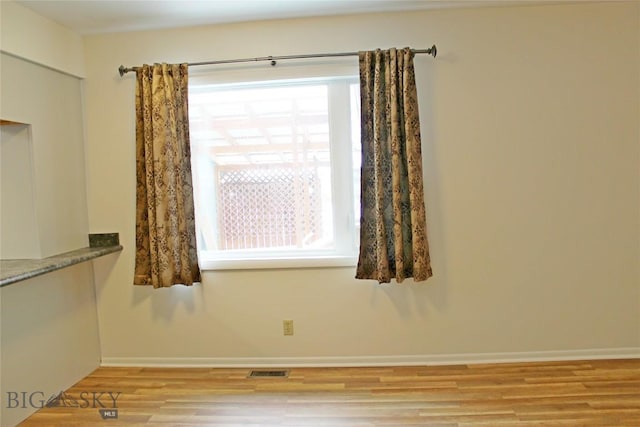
point(166, 252)
point(393, 234)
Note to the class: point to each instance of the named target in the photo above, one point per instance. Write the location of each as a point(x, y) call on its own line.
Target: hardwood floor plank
point(571, 393)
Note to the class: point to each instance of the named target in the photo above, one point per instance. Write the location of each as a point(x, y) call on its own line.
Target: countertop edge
point(16, 270)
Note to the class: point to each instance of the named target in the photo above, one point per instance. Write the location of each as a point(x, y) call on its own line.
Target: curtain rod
point(431, 51)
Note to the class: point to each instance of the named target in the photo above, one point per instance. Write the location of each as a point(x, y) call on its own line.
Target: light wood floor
point(576, 393)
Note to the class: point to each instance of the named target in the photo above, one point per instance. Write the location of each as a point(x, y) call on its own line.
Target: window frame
point(345, 227)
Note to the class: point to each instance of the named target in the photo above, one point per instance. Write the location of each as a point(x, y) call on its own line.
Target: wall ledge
point(16, 270)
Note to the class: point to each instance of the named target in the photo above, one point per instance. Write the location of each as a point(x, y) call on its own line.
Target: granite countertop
point(15, 270)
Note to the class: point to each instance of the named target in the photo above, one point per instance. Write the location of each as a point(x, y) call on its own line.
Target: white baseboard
point(364, 361)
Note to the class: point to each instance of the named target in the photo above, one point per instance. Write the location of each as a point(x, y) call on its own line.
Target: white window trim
point(313, 261)
point(343, 255)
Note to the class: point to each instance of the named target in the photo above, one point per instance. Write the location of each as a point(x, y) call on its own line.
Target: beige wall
point(50, 102)
point(20, 237)
point(48, 325)
point(49, 337)
point(40, 63)
point(28, 35)
point(531, 147)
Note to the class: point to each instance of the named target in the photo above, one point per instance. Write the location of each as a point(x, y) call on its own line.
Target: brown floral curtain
point(166, 252)
point(393, 233)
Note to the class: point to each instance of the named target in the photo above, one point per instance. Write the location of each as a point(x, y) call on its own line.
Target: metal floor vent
point(281, 373)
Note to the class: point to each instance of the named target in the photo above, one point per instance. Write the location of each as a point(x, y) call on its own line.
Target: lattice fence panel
point(268, 208)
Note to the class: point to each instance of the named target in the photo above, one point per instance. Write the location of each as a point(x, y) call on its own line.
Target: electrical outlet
point(287, 326)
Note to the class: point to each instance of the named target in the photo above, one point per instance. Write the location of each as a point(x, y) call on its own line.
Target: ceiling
point(105, 16)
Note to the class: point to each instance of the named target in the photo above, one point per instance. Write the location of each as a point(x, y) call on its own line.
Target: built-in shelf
point(16, 270)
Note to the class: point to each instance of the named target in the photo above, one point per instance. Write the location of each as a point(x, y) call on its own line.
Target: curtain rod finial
point(122, 70)
point(433, 50)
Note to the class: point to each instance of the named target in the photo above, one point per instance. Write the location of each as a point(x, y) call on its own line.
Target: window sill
point(278, 263)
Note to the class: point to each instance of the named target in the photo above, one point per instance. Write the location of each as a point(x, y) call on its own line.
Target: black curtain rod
point(431, 51)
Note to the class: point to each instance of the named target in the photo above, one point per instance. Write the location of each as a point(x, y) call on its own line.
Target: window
point(276, 170)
